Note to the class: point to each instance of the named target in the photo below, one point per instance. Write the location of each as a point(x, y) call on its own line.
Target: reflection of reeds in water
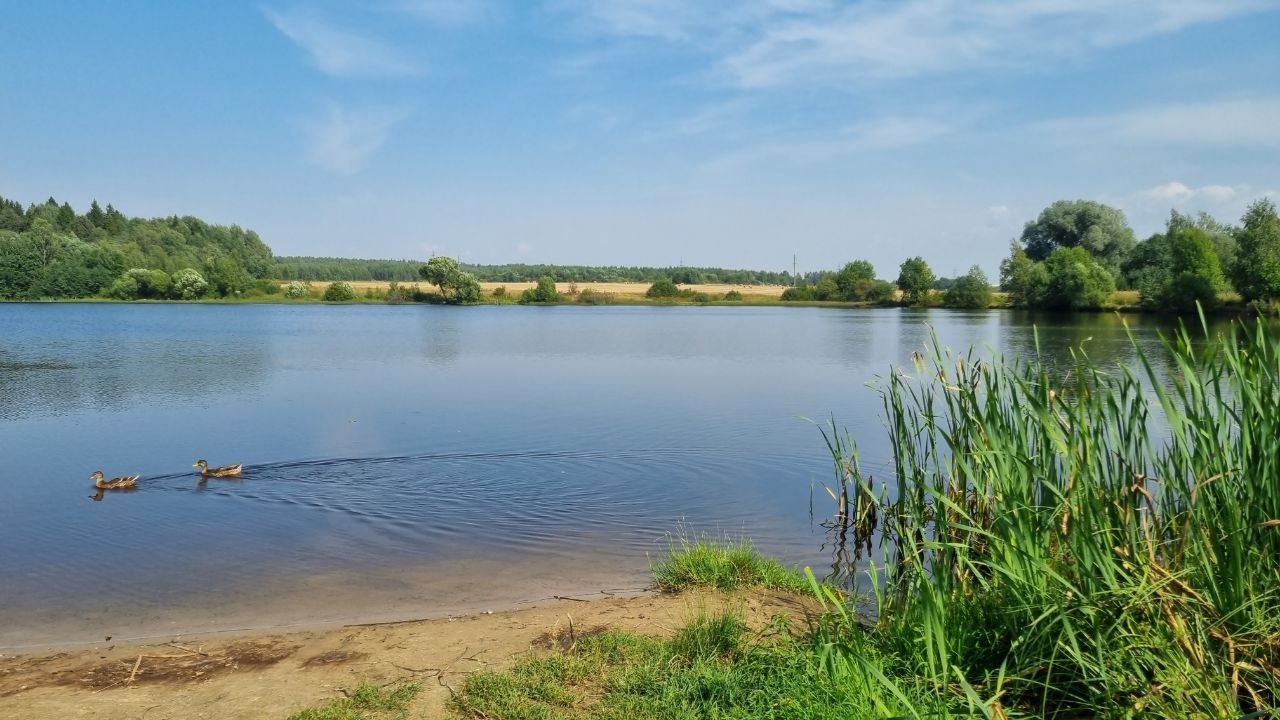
point(1041, 549)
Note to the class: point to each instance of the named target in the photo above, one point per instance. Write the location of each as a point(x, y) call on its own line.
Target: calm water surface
point(406, 460)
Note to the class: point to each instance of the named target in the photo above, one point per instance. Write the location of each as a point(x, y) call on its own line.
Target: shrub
point(189, 284)
point(663, 288)
point(700, 297)
point(735, 296)
point(125, 287)
point(297, 289)
point(799, 293)
point(881, 292)
point(1076, 281)
point(593, 297)
point(971, 290)
point(545, 292)
point(266, 287)
point(340, 291)
point(500, 291)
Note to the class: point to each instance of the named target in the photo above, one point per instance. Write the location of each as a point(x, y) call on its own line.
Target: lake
point(409, 461)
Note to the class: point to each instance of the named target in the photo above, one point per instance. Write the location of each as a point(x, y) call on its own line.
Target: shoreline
point(274, 672)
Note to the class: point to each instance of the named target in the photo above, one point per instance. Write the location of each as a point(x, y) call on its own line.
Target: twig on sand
point(566, 597)
point(187, 649)
point(134, 674)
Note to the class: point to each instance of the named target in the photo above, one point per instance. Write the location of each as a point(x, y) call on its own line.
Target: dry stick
point(184, 647)
point(136, 665)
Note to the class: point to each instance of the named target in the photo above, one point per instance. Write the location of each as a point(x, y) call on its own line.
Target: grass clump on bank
point(711, 667)
point(723, 564)
point(366, 702)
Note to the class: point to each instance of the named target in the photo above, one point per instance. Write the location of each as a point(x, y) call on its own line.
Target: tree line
point(48, 250)
point(324, 268)
point(1077, 253)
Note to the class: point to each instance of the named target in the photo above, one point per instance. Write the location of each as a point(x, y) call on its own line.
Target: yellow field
point(615, 288)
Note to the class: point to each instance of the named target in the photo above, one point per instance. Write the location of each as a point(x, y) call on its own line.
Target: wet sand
point(274, 673)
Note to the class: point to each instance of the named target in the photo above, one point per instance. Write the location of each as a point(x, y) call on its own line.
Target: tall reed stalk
point(1107, 544)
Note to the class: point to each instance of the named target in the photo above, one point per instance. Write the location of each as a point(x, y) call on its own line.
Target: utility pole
point(793, 270)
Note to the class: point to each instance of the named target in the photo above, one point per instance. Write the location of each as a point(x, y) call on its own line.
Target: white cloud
point(343, 141)
point(775, 42)
point(917, 37)
point(339, 52)
point(1244, 123)
point(449, 12)
point(1169, 191)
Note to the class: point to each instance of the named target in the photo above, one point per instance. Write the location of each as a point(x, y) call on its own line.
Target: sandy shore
point(268, 674)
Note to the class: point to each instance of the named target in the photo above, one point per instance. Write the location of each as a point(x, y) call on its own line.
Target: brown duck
point(116, 483)
point(224, 471)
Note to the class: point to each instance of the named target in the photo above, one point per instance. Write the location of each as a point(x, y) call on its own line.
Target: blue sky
point(644, 131)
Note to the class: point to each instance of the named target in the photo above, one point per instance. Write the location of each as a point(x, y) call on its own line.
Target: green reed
point(1047, 554)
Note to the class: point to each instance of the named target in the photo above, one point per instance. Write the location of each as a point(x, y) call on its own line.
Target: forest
point(48, 250)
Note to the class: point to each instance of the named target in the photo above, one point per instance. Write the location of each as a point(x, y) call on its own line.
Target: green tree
point(226, 275)
point(189, 284)
point(1075, 280)
point(456, 286)
point(1024, 279)
point(545, 292)
point(1256, 272)
point(915, 280)
point(297, 289)
point(854, 280)
point(970, 291)
point(1100, 229)
point(339, 291)
point(95, 214)
point(1176, 269)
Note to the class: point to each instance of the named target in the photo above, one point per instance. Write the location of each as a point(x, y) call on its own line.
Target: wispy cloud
point(337, 51)
point(762, 43)
point(343, 141)
point(917, 37)
point(1243, 123)
point(449, 13)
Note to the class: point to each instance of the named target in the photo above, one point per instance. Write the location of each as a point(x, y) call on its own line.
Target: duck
point(224, 471)
point(116, 483)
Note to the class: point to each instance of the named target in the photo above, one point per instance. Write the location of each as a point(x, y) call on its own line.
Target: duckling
point(224, 471)
point(115, 483)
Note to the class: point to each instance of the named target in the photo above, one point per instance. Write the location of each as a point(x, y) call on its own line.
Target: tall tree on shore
point(1100, 229)
point(1257, 267)
point(915, 279)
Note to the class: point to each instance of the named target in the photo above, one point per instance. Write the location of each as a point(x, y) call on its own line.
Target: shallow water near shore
point(413, 461)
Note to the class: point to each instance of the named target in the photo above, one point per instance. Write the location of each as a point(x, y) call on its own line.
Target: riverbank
point(274, 674)
point(377, 292)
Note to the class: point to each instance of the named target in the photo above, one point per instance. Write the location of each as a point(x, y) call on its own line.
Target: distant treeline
point(320, 268)
point(48, 250)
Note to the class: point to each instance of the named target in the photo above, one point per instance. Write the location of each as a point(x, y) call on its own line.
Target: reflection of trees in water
point(101, 373)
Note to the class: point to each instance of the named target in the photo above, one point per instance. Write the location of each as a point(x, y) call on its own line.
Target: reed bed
point(1046, 554)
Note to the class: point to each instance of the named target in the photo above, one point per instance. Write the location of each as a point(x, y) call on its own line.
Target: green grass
point(725, 564)
point(366, 702)
point(711, 668)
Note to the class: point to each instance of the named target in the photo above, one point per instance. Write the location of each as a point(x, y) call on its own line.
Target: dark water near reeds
point(408, 460)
